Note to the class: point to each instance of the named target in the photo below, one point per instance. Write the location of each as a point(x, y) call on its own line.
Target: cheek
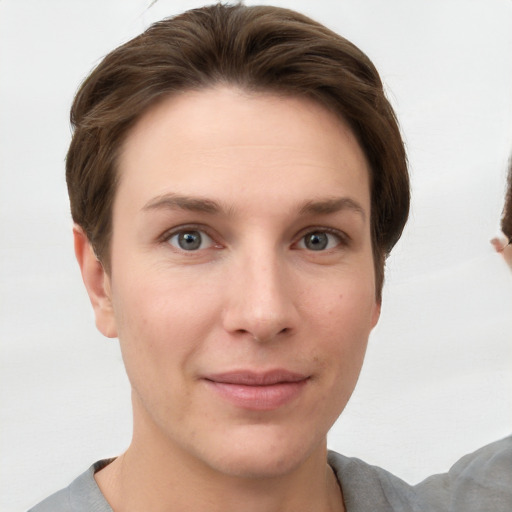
point(340, 358)
point(343, 307)
point(159, 324)
point(507, 254)
point(341, 319)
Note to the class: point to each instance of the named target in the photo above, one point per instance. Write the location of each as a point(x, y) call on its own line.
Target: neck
point(155, 475)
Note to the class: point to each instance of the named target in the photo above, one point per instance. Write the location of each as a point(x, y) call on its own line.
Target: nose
point(261, 299)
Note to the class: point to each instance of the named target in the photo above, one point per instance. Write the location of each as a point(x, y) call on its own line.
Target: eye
point(319, 241)
point(190, 240)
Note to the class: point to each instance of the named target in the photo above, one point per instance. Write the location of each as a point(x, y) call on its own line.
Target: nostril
point(262, 336)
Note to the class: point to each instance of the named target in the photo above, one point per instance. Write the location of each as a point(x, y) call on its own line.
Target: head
point(506, 219)
point(256, 49)
point(503, 244)
point(240, 175)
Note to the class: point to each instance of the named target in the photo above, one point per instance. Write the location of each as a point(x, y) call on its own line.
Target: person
point(237, 179)
point(503, 244)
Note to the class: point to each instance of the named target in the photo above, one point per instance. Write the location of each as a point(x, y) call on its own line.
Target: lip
point(258, 391)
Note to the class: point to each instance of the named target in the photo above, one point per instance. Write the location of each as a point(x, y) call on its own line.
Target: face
point(242, 285)
point(507, 254)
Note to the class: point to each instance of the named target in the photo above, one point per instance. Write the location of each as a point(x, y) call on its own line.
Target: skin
point(255, 175)
point(504, 247)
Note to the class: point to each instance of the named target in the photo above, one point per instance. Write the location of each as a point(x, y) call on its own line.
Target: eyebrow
point(204, 205)
point(332, 205)
point(175, 201)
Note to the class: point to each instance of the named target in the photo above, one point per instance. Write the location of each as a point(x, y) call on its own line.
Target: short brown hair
point(258, 48)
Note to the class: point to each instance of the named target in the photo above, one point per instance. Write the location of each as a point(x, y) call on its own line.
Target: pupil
point(316, 241)
point(190, 240)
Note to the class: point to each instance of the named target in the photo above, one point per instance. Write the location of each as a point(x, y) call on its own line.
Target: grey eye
point(191, 240)
point(316, 241)
point(319, 241)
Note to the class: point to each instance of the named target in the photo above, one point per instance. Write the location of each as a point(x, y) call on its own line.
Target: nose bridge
point(261, 300)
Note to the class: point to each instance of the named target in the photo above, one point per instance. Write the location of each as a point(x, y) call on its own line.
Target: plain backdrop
point(436, 382)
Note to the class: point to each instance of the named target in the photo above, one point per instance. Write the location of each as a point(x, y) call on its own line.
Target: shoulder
point(366, 487)
point(82, 495)
point(479, 481)
point(57, 502)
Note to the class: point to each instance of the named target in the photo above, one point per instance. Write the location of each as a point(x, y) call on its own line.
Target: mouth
point(259, 391)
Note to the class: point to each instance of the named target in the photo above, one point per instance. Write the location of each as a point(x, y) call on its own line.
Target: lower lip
point(259, 398)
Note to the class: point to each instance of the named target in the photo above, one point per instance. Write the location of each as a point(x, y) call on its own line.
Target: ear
point(376, 313)
point(499, 243)
point(97, 283)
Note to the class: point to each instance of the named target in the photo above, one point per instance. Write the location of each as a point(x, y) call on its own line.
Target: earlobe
point(97, 283)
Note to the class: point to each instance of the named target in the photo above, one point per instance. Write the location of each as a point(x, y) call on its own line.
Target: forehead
point(230, 140)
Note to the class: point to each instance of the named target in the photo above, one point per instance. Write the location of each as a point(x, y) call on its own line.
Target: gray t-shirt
point(479, 482)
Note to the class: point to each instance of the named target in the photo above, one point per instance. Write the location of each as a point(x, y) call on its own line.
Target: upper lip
point(257, 378)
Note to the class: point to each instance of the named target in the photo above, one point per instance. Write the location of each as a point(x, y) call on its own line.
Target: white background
point(436, 383)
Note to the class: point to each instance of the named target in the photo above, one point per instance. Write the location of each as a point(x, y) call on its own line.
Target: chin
point(261, 455)
point(258, 466)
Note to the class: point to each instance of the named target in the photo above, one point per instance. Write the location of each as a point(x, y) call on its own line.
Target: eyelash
point(343, 238)
point(168, 235)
